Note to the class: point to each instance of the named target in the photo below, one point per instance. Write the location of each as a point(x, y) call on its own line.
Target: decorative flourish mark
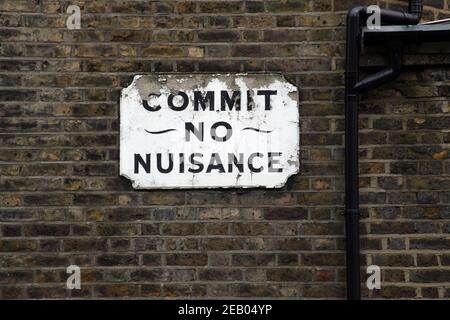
point(160, 132)
point(257, 130)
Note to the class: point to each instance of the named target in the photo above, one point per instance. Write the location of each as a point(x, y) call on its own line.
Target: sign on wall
point(209, 131)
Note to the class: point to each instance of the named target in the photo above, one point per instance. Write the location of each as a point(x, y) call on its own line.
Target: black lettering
point(250, 162)
point(196, 163)
point(183, 105)
point(250, 102)
point(139, 161)
point(199, 133)
point(239, 163)
point(181, 162)
point(200, 101)
point(214, 131)
point(149, 107)
point(159, 163)
point(226, 100)
point(215, 164)
point(267, 94)
point(273, 161)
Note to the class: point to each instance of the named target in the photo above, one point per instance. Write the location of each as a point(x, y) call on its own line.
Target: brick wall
point(62, 201)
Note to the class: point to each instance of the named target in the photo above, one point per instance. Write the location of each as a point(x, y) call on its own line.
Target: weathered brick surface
point(62, 201)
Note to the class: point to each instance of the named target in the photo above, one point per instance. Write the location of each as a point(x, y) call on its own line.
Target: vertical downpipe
point(355, 18)
point(351, 155)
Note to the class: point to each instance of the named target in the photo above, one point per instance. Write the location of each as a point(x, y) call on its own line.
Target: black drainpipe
point(353, 87)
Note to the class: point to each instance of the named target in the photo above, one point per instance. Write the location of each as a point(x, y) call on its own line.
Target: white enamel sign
point(209, 131)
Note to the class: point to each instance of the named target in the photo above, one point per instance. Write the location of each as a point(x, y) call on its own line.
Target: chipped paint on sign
point(209, 131)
